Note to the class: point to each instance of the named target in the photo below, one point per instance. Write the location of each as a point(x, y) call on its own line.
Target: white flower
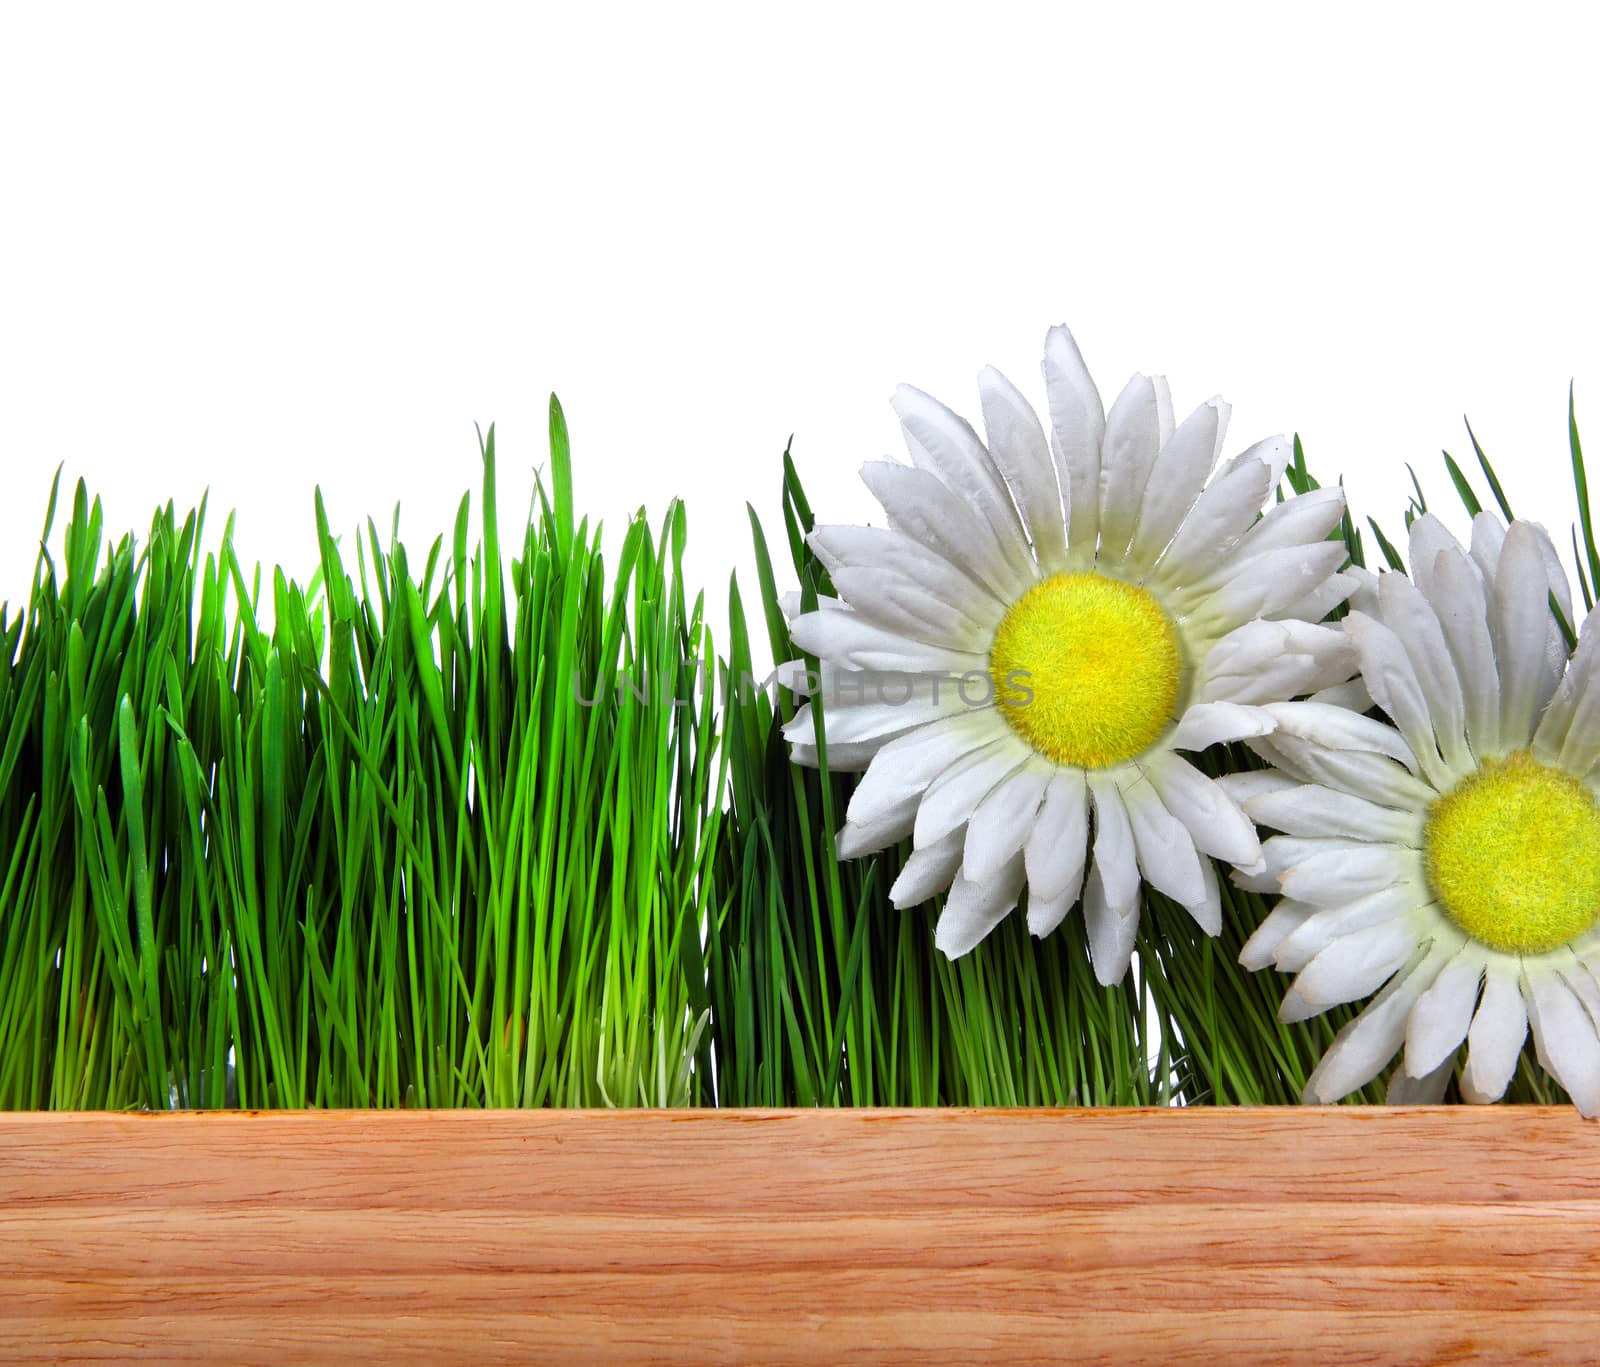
point(1451, 860)
point(1047, 619)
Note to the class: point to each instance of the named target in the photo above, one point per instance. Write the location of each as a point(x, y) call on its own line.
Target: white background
point(262, 251)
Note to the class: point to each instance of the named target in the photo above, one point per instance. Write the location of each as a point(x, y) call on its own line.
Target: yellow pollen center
point(1087, 669)
point(1513, 853)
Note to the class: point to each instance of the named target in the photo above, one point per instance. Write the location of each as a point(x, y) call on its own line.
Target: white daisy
point(1046, 621)
point(1451, 860)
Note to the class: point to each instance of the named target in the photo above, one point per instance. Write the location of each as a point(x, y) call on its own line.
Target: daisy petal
point(1319, 811)
point(918, 504)
point(1077, 432)
point(1165, 850)
point(1058, 847)
point(1458, 598)
point(843, 637)
point(1354, 966)
point(1176, 481)
point(1394, 687)
point(1211, 723)
point(1411, 618)
point(1281, 922)
point(1115, 859)
point(1019, 447)
point(943, 442)
point(1563, 1030)
point(907, 765)
point(1220, 516)
point(1404, 1090)
point(1132, 441)
point(893, 826)
point(1111, 933)
point(928, 871)
point(1494, 1042)
point(1003, 821)
point(1274, 453)
point(972, 909)
point(1360, 1051)
point(952, 798)
point(1443, 1014)
point(1429, 539)
point(1520, 617)
point(1212, 819)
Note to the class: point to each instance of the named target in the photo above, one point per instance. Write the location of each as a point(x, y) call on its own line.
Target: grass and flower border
point(380, 853)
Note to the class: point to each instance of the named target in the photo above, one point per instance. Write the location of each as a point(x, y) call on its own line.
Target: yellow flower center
point(1087, 669)
point(1513, 852)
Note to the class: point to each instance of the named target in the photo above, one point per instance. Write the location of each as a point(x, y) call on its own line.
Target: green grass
point(496, 824)
point(376, 855)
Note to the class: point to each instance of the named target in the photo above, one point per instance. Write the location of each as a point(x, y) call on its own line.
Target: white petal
point(842, 546)
point(1300, 521)
point(1343, 874)
point(1058, 848)
point(1165, 850)
point(1247, 785)
point(907, 765)
point(842, 759)
point(1163, 408)
point(928, 871)
point(1207, 908)
point(1355, 965)
point(918, 504)
point(1394, 687)
point(1563, 1030)
point(1374, 777)
point(1111, 932)
point(1274, 453)
point(972, 909)
point(1317, 810)
point(1315, 605)
point(1115, 859)
point(1494, 1043)
point(1211, 817)
point(1220, 516)
point(1212, 723)
point(1176, 480)
point(1077, 432)
point(856, 839)
point(953, 797)
point(1412, 620)
point(1458, 599)
point(1359, 1051)
point(1133, 438)
point(1337, 729)
point(922, 602)
point(1429, 1090)
point(1003, 821)
point(1352, 696)
point(1268, 583)
point(1364, 598)
point(1488, 538)
point(846, 638)
point(1520, 618)
point(1021, 450)
point(1573, 719)
point(1429, 539)
point(1317, 932)
point(863, 705)
point(1281, 922)
point(1046, 913)
point(1440, 1019)
point(944, 443)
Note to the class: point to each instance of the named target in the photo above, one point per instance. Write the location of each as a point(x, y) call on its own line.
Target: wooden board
point(1207, 1236)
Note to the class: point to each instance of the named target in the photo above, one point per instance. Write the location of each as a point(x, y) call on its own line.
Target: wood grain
point(1273, 1235)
